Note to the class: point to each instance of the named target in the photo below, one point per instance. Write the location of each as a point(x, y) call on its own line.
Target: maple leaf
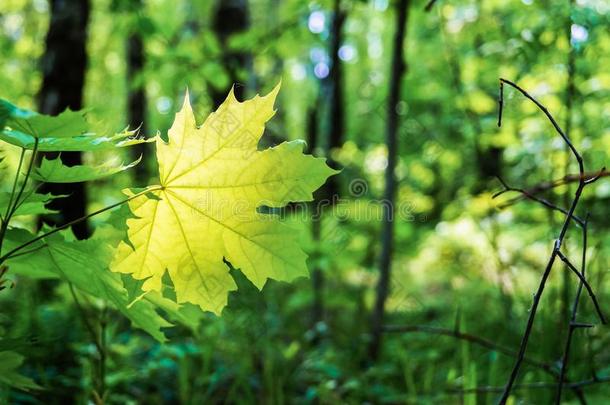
point(213, 182)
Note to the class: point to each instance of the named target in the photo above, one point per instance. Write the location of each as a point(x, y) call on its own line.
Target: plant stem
point(10, 253)
point(548, 185)
point(27, 177)
point(6, 218)
point(10, 201)
point(572, 327)
point(14, 203)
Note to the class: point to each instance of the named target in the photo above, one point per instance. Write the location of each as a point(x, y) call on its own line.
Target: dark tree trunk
point(337, 110)
point(136, 97)
point(317, 277)
point(231, 17)
point(489, 161)
point(335, 138)
point(63, 65)
point(387, 226)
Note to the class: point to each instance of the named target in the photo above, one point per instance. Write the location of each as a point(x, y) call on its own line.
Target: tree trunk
point(336, 118)
point(231, 17)
point(317, 277)
point(64, 64)
point(387, 226)
point(136, 97)
point(334, 139)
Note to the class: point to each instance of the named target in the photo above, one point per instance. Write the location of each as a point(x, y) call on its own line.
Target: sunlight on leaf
point(213, 180)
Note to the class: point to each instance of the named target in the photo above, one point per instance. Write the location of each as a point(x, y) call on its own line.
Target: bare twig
point(539, 200)
point(583, 280)
point(573, 324)
point(551, 120)
point(556, 252)
point(548, 185)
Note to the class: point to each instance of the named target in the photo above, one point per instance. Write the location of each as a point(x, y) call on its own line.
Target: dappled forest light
point(318, 202)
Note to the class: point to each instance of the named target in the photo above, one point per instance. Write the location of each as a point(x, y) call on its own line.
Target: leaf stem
point(10, 201)
point(6, 218)
point(10, 253)
point(14, 203)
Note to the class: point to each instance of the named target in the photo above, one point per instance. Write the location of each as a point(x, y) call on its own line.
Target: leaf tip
point(272, 95)
point(187, 99)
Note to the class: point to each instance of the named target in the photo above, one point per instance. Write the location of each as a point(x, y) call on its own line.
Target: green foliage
point(60, 257)
point(54, 171)
point(461, 261)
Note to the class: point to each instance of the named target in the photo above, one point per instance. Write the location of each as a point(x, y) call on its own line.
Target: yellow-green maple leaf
point(212, 181)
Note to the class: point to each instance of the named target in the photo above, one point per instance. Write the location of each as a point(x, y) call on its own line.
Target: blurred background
point(462, 261)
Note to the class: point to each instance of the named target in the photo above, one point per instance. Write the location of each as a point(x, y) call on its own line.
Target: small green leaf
point(68, 124)
point(82, 143)
point(54, 171)
point(65, 125)
point(68, 131)
point(35, 204)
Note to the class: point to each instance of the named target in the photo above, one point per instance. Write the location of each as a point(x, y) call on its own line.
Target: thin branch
point(597, 176)
point(548, 185)
point(550, 118)
point(558, 242)
point(539, 200)
point(586, 285)
point(573, 327)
